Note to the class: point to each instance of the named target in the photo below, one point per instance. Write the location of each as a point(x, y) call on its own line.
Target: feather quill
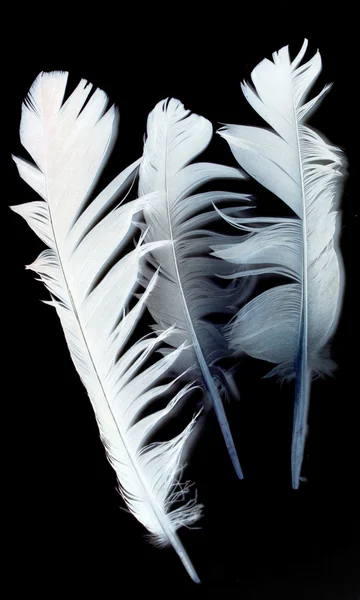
point(69, 143)
point(185, 293)
point(290, 324)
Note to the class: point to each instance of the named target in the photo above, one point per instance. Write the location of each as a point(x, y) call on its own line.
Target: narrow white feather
point(289, 325)
point(69, 143)
point(185, 293)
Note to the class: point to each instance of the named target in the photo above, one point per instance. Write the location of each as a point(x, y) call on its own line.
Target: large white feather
point(69, 143)
point(185, 293)
point(291, 324)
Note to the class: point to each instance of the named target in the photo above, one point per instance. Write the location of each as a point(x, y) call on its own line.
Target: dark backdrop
point(258, 537)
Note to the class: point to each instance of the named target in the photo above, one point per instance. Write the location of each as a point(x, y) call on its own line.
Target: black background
point(258, 537)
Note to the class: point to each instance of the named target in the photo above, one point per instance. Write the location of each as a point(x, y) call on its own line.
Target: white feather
point(185, 294)
point(69, 143)
point(289, 325)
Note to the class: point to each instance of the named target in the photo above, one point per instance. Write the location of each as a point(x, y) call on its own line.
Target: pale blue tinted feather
point(289, 325)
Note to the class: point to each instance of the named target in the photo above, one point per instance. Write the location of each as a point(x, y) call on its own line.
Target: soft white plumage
point(69, 143)
point(185, 293)
point(291, 324)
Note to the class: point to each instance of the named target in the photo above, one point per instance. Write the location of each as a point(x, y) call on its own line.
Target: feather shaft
point(210, 387)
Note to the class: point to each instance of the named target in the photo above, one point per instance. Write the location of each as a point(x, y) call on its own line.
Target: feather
point(291, 324)
point(69, 143)
point(185, 294)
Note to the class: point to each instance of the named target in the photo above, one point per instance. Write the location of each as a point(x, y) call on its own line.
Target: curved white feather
point(69, 143)
point(185, 294)
point(291, 324)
